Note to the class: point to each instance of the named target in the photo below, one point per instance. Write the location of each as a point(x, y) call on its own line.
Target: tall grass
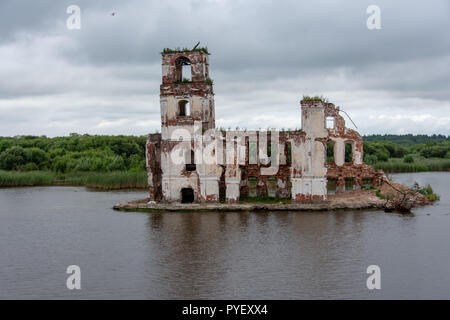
point(419, 165)
point(29, 178)
point(109, 180)
point(104, 180)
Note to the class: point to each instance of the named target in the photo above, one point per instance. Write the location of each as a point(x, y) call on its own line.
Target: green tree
point(12, 158)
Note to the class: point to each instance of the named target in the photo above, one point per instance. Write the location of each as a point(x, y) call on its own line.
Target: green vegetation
point(315, 98)
point(379, 194)
point(185, 80)
point(407, 139)
point(107, 162)
point(407, 153)
point(426, 191)
point(408, 159)
point(113, 162)
point(30, 178)
point(109, 180)
point(330, 152)
point(419, 165)
point(178, 50)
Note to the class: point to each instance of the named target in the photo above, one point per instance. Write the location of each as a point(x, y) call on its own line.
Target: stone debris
point(401, 198)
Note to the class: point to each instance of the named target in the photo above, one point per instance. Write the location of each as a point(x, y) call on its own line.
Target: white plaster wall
point(318, 159)
point(313, 122)
point(170, 108)
point(309, 186)
point(233, 189)
point(171, 187)
point(339, 151)
point(165, 70)
point(233, 182)
point(209, 186)
point(298, 157)
point(175, 132)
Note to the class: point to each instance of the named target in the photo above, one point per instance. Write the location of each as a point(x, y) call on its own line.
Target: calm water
point(218, 255)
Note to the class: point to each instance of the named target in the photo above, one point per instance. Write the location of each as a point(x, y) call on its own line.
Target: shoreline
point(131, 206)
point(390, 196)
point(352, 200)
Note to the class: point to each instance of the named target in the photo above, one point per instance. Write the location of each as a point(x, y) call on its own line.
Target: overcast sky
point(265, 55)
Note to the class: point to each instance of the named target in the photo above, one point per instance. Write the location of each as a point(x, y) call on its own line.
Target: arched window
point(289, 153)
point(348, 156)
point(190, 162)
point(330, 152)
point(184, 108)
point(183, 71)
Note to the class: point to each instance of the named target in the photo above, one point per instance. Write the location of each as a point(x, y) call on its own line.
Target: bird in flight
point(113, 13)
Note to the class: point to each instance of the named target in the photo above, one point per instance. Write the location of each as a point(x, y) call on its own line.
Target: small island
point(193, 166)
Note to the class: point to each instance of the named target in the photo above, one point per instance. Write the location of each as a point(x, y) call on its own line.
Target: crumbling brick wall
point(296, 168)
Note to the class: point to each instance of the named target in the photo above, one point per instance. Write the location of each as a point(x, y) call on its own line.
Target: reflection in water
point(261, 255)
point(300, 255)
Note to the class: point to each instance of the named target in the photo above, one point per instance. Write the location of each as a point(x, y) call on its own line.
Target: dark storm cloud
point(265, 55)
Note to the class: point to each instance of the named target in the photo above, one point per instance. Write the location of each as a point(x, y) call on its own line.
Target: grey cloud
point(265, 56)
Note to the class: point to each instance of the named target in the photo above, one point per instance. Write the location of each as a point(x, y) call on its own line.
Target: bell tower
point(187, 113)
point(186, 92)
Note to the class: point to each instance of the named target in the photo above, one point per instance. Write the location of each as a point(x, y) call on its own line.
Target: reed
point(419, 165)
point(29, 178)
point(109, 180)
point(98, 180)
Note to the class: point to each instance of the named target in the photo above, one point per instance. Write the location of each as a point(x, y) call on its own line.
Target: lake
point(298, 255)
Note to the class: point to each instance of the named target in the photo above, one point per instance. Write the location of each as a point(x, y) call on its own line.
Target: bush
point(12, 158)
point(382, 154)
point(370, 159)
point(438, 151)
point(116, 164)
point(427, 192)
point(408, 159)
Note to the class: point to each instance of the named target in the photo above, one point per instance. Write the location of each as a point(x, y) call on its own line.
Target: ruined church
point(193, 161)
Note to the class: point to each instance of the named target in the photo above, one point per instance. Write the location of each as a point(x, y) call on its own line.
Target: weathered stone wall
point(340, 170)
point(153, 160)
point(182, 131)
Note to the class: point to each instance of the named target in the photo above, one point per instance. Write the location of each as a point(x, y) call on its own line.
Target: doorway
point(187, 195)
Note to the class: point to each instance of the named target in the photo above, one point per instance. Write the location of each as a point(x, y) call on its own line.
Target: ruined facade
point(192, 161)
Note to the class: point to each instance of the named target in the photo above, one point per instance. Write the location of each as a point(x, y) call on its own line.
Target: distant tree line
point(74, 153)
point(95, 153)
point(407, 139)
point(409, 147)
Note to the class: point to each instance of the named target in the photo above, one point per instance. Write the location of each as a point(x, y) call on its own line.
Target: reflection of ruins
point(192, 161)
point(261, 255)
